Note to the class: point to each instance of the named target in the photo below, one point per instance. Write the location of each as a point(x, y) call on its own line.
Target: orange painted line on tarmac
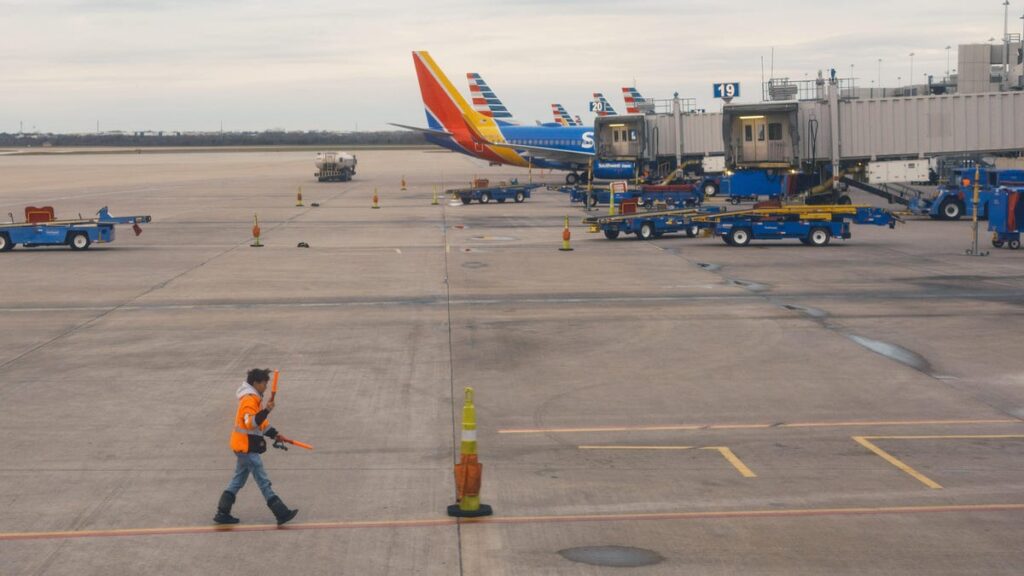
point(678, 427)
point(648, 516)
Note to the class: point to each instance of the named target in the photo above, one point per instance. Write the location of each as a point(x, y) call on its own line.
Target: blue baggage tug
point(813, 225)
point(41, 228)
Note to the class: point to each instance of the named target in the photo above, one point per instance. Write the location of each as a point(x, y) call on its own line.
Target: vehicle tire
point(520, 197)
point(739, 236)
point(734, 200)
point(951, 209)
point(710, 189)
point(1014, 244)
point(466, 199)
point(647, 231)
point(997, 243)
point(692, 231)
point(844, 200)
point(611, 234)
point(647, 204)
point(79, 241)
point(593, 200)
point(485, 197)
point(5, 243)
point(346, 175)
point(819, 237)
point(572, 178)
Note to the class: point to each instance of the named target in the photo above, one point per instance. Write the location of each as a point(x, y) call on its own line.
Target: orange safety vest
point(245, 423)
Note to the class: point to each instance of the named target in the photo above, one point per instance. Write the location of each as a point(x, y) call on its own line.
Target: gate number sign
point(727, 90)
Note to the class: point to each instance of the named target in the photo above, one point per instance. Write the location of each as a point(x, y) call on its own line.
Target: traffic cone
point(256, 232)
point(376, 201)
point(403, 182)
point(565, 237)
point(435, 202)
point(469, 470)
point(298, 198)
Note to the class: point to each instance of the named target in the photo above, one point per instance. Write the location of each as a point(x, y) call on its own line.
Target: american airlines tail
point(561, 115)
point(485, 101)
point(633, 99)
point(602, 107)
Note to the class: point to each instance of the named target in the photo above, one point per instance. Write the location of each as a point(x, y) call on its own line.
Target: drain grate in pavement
point(616, 556)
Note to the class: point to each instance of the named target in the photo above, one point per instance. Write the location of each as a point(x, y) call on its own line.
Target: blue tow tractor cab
point(1006, 217)
point(41, 228)
point(813, 225)
point(956, 199)
point(485, 193)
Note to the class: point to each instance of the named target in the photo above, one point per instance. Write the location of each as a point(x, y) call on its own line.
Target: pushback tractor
point(41, 228)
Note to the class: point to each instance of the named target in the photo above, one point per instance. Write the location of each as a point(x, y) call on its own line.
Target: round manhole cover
point(616, 556)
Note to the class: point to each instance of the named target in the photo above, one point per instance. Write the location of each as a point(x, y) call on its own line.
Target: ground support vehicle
point(647, 195)
point(514, 192)
point(42, 229)
point(812, 225)
point(744, 185)
point(335, 166)
point(1006, 217)
point(649, 225)
point(580, 194)
point(953, 200)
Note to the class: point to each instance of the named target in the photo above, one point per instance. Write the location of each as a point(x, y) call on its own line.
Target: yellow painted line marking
point(866, 441)
point(640, 516)
point(634, 447)
point(947, 437)
point(734, 460)
point(678, 427)
point(897, 463)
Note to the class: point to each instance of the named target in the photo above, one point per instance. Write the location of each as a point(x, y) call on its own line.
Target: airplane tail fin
point(578, 121)
point(484, 99)
point(561, 116)
point(446, 109)
point(633, 99)
point(602, 107)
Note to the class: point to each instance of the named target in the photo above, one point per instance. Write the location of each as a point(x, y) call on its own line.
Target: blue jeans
point(250, 463)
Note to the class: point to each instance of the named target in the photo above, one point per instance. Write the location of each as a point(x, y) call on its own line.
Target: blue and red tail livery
point(601, 106)
point(633, 100)
point(485, 101)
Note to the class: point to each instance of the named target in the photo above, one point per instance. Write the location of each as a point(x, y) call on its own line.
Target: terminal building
point(976, 112)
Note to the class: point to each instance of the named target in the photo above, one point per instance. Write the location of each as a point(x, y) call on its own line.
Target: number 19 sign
point(727, 90)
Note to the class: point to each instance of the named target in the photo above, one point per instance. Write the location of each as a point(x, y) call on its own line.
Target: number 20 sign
point(727, 90)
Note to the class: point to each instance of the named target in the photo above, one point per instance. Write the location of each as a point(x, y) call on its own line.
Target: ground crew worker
point(251, 425)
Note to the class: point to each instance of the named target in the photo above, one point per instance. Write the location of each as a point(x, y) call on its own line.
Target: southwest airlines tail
point(449, 114)
point(485, 101)
point(633, 99)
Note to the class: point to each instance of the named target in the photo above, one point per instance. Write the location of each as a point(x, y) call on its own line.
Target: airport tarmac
point(679, 405)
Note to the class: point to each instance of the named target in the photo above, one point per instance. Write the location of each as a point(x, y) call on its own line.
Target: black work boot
point(227, 499)
point(281, 512)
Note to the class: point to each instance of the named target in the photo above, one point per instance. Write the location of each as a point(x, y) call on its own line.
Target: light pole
point(879, 72)
point(947, 62)
point(911, 69)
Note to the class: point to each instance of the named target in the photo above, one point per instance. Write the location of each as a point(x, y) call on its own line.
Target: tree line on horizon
point(265, 138)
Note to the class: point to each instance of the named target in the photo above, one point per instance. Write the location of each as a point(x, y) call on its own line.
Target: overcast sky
point(343, 64)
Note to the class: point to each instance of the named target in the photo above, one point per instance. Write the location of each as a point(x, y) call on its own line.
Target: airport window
point(748, 133)
point(616, 137)
point(775, 131)
point(760, 133)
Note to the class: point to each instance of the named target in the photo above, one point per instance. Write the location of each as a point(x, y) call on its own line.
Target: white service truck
point(335, 166)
